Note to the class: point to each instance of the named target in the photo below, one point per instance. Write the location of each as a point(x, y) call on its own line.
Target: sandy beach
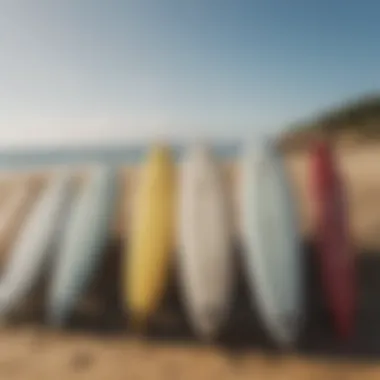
point(98, 344)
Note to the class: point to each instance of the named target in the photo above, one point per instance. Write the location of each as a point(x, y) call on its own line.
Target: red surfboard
point(334, 249)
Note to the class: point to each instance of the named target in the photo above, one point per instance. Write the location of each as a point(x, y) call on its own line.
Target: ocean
point(111, 155)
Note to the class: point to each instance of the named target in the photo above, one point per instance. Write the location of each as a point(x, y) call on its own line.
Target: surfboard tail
point(56, 315)
point(6, 304)
point(54, 319)
point(138, 322)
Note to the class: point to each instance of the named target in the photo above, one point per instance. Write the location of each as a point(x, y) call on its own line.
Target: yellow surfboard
point(151, 238)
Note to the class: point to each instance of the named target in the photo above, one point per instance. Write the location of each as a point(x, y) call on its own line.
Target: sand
point(103, 348)
point(27, 354)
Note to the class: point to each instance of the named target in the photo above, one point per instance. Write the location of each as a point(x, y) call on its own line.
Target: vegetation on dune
point(359, 119)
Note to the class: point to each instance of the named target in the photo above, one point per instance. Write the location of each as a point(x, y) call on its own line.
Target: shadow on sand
point(101, 313)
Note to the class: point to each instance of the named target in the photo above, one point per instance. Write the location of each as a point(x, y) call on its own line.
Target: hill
point(355, 121)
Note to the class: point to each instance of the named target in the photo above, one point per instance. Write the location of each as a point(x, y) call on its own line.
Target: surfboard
point(272, 252)
point(13, 213)
point(335, 253)
point(82, 243)
point(204, 242)
point(151, 242)
point(6, 187)
point(34, 244)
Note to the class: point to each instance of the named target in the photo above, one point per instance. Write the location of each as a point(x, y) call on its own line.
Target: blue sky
point(93, 71)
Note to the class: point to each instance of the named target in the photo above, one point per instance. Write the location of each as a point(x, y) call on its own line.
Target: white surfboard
point(13, 214)
point(205, 254)
point(12, 208)
point(84, 239)
point(272, 251)
point(34, 244)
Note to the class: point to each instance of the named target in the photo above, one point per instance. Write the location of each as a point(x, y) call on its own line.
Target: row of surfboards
point(187, 212)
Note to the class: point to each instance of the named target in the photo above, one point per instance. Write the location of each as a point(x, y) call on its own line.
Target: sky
point(92, 71)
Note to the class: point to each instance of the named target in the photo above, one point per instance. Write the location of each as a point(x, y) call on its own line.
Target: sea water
point(18, 159)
